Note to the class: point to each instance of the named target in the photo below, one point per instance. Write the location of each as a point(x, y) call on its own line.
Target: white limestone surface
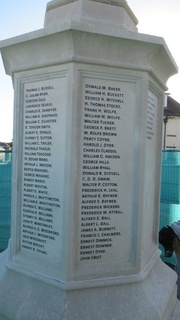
point(88, 108)
point(105, 14)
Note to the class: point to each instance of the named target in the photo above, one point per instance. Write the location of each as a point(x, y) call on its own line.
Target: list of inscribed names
point(104, 104)
point(151, 116)
point(41, 202)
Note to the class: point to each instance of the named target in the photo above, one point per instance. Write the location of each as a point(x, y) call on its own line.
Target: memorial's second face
point(108, 131)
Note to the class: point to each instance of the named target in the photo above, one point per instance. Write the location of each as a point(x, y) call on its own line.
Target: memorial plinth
point(88, 106)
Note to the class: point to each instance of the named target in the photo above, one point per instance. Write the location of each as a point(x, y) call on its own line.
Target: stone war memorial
point(88, 107)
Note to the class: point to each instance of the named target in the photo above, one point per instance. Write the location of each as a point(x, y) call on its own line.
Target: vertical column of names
point(103, 103)
point(151, 116)
point(41, 204)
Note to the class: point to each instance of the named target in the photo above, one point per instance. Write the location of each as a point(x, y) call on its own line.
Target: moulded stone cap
point(115, 11)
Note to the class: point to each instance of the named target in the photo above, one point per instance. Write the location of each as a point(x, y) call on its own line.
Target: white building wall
point(172, 139)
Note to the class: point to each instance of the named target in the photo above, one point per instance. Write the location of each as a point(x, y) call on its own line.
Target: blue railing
point(5, 197)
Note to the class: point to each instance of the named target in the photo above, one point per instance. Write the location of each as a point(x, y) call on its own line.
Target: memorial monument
point(88, 106)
